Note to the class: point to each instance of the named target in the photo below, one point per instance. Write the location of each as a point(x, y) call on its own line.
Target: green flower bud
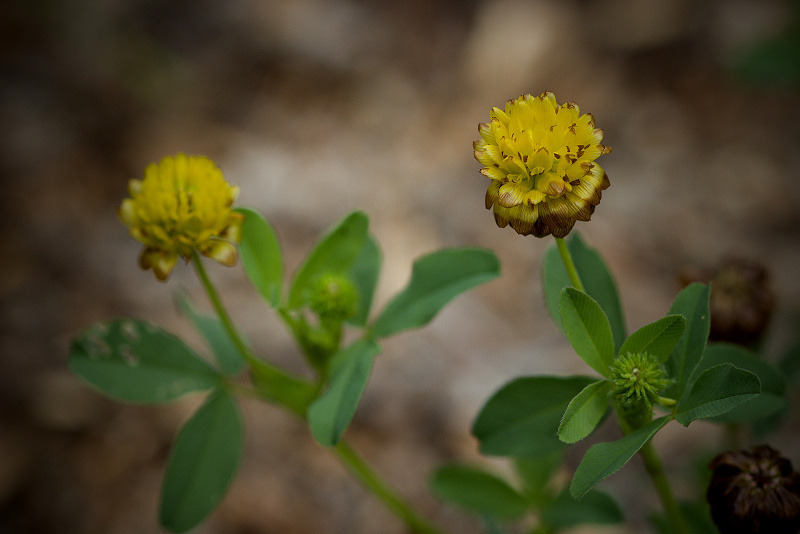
point(638, 379)
point(334, 298)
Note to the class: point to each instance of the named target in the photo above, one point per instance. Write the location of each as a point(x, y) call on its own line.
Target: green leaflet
point(331, 413)
point(522, 417)
point(657, 339)
point(135, 361)
point(364, 273)
point(692, 303)
point(604, 459)
point(436, 279)
point(478, 491)
point(202, 464)
point(261, 255)
point(587, 329)
point(536, 474)
point(773, 381)
point(585, 411)
point(717, 391)
point(336, 253)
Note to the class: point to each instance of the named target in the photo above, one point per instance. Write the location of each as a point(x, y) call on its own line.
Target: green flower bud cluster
point(638, 379)
point(334, 298)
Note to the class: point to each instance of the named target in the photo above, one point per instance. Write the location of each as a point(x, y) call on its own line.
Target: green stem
point(381, 490)
point(655, 469)
point(569, 265)
point(222, 313)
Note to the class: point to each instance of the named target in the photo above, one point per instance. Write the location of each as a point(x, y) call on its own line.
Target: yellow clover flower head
point(182, 204)
point(541, 159)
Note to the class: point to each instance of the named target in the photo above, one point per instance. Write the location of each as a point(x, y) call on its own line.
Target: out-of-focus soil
point(319, 107)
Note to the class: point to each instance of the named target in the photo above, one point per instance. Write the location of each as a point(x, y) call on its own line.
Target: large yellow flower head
point(540, 157)
point(183, 204)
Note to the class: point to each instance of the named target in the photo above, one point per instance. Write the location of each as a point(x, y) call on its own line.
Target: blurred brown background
point(318, 107)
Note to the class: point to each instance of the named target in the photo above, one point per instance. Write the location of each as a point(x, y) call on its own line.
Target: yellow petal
point(534, 196)
point(522, 218)
point(589, 153)
point(551, 98)
point(579, 208)
point(494, 173)
point(544, 111)
point(232, 234)
point(595, 137)
point(492, 193)
point(512, 194)
point(493, 151)
point(577, 171)
point(499, 115)
point(571, 112)
point(606, 183)
point(161, 261)
point(562, 232)
point(222, 252)
point(522, 119)
point(541, 161)
point(485, 130)
point(484, 158)
point(597, 177)
point(516, 166)
point(555, 213)
point(127, 212)
point(544, 181)
point(500, 215)
point(134, 187)
point(587, 192)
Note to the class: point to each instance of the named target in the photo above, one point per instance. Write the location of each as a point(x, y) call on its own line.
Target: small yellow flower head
point(540, 157)
point(182, 204)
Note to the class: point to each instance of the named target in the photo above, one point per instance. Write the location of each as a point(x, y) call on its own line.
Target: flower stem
point(380, 489)
point(655, 469)
point(222, 313)
point(569, 265)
